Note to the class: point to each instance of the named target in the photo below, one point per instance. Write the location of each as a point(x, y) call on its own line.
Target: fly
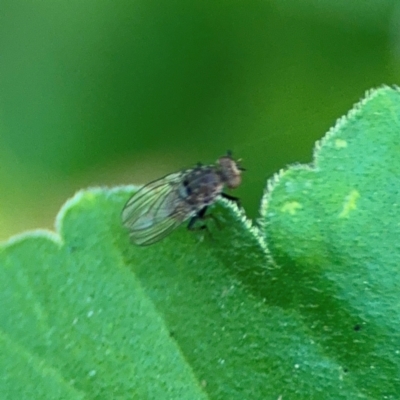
point(162, 205)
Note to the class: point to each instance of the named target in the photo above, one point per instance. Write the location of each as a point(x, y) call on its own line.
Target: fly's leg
point(234, 199)
point(198, 216)
point(201, 215)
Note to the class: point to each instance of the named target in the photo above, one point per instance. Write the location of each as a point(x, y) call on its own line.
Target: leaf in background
point(368, 15)
point(334, 228)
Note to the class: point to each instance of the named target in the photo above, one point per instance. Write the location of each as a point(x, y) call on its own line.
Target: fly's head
point(230, 170)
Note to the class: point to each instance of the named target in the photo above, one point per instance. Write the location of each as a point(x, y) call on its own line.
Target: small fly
point(162, 205)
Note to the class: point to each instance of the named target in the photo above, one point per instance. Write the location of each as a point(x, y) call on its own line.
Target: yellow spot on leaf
point(291, 207)
point(340, 143)
point(350, 203)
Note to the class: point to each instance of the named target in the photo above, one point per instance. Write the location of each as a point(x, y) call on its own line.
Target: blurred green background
point(114, 92)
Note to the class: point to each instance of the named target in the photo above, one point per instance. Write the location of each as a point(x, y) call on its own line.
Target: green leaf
point(334, 229)
point(188, 318)
point(73, 314)
point(86, 314)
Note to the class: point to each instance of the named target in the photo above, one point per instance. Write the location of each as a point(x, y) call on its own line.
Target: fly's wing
point(155, 210)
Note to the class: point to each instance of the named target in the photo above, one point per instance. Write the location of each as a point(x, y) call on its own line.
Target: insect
point(162, 205)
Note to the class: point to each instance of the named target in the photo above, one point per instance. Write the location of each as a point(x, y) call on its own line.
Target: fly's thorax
point(201, 186)
point(230, 172)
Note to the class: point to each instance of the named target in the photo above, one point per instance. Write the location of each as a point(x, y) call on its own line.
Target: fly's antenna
point(240, 168)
